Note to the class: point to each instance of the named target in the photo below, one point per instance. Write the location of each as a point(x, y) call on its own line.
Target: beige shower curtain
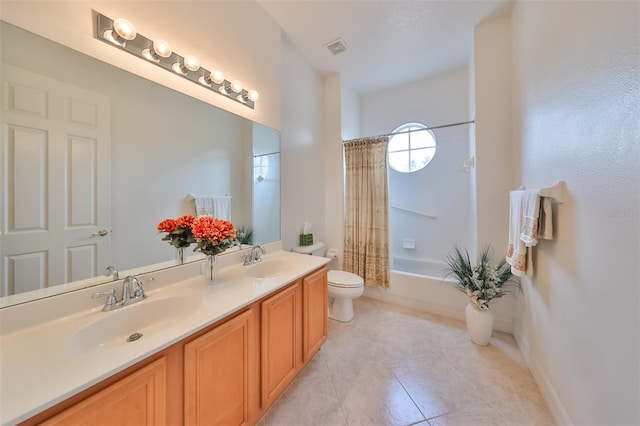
point(366, 241)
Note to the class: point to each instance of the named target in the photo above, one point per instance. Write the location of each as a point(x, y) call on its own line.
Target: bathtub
point(430, 269)
point(421, 284)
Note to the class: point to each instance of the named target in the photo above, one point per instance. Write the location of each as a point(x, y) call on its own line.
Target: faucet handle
point(111, 298)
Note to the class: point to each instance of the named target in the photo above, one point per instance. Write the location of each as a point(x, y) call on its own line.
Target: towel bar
point(193, 197)
point(555, 191)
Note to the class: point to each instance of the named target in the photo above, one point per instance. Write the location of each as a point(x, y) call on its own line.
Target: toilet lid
point(344, 279)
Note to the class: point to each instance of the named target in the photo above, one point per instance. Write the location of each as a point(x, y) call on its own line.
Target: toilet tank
point(316, 249)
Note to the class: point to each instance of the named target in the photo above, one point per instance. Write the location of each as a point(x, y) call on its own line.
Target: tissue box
point(306, 239)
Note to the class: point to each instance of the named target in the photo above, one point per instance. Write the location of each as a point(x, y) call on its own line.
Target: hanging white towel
point(218, 207)
point(523, 230)
point(222, 207)
point(530, 211)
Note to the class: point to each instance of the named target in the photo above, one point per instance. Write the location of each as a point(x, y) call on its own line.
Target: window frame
point(408, 129)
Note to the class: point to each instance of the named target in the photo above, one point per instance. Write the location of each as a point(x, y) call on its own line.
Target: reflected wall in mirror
point(161, 146)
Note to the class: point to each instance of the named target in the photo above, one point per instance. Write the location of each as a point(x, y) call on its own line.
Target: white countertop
point(39, 369)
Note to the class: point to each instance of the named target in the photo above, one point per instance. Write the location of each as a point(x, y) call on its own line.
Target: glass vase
point(179, 255)
point(211, 268)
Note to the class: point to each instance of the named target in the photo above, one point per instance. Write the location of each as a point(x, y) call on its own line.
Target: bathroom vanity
point(209, 353)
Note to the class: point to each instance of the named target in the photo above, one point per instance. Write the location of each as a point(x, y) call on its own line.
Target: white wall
point(349, 112)
point(494, 144)
point(333, 165)
point(302, 170)
point(577, 90)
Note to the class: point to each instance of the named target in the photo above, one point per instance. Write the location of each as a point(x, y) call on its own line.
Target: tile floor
point(397, 366)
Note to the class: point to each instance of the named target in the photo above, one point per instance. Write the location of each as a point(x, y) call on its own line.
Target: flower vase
point(479, 324)
point(179, 255)
point(211, 268)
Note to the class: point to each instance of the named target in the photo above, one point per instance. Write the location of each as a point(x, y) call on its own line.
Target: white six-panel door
point(56, 182)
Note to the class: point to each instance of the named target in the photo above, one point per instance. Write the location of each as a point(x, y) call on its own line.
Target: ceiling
point(389, 42)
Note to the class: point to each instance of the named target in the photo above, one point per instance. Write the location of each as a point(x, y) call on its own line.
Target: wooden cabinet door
point(138, 399)
point(216, 374)
point(315, 315)
point(281, 335)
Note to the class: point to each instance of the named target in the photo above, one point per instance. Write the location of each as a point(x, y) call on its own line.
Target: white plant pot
point(479, 324)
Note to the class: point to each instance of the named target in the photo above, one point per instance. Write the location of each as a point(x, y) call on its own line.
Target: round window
point(411, 147)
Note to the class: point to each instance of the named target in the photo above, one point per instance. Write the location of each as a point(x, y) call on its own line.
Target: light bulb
point(253, 95)
point(124, 29)
point(216, 76)
point(191, 63)
point(161, 48)
point(236, 86)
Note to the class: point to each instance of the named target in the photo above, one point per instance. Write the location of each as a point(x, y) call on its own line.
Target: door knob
point(100, 233)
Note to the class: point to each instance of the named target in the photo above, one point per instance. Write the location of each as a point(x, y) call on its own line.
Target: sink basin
point(119, 327)
point(267, 269)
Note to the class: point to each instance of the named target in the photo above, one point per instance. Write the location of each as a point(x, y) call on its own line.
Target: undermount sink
point(131, 323)
point(267, 269)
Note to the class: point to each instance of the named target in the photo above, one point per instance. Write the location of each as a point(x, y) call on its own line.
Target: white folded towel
point(218, 207)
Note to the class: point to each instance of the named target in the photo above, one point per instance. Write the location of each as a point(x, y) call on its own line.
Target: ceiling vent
point(336, 46)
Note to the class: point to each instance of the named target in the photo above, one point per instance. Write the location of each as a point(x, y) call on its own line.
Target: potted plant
point(245, 235)
point(482, 282)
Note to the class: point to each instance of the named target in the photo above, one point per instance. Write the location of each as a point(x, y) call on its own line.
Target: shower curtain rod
point(420, 130)
point(264, 155)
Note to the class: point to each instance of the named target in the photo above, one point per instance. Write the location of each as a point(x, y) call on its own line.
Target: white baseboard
point(449, 310)
point(542, 380)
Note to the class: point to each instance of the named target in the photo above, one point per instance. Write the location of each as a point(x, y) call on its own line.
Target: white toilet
point(343, 286)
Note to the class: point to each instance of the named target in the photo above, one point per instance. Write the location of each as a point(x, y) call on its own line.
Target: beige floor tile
point(371, 395)
point(393, 365)
point(311, 401)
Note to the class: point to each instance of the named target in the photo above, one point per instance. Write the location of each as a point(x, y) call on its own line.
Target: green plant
point(482, 281)
point(245, 235)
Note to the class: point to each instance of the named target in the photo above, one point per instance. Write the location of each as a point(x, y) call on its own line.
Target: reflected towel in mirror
point(218, 207)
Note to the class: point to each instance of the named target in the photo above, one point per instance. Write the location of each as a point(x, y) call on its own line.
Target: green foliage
point(180, 238)
point(482, 281)
point(245, 235)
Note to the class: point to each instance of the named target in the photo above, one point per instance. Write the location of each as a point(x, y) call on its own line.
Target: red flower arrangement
point(179, 233)
point(213, 236)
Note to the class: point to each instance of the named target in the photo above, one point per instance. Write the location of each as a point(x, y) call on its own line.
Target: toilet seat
point(344, 279)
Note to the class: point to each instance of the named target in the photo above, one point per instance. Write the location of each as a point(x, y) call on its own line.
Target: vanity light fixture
point(122, 34)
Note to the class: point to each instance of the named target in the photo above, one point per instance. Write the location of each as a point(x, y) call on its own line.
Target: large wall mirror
point(124, 154)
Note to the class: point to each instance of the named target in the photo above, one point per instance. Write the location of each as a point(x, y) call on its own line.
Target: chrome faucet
point(254, 255)
point(113, 272)
point(132, 292)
